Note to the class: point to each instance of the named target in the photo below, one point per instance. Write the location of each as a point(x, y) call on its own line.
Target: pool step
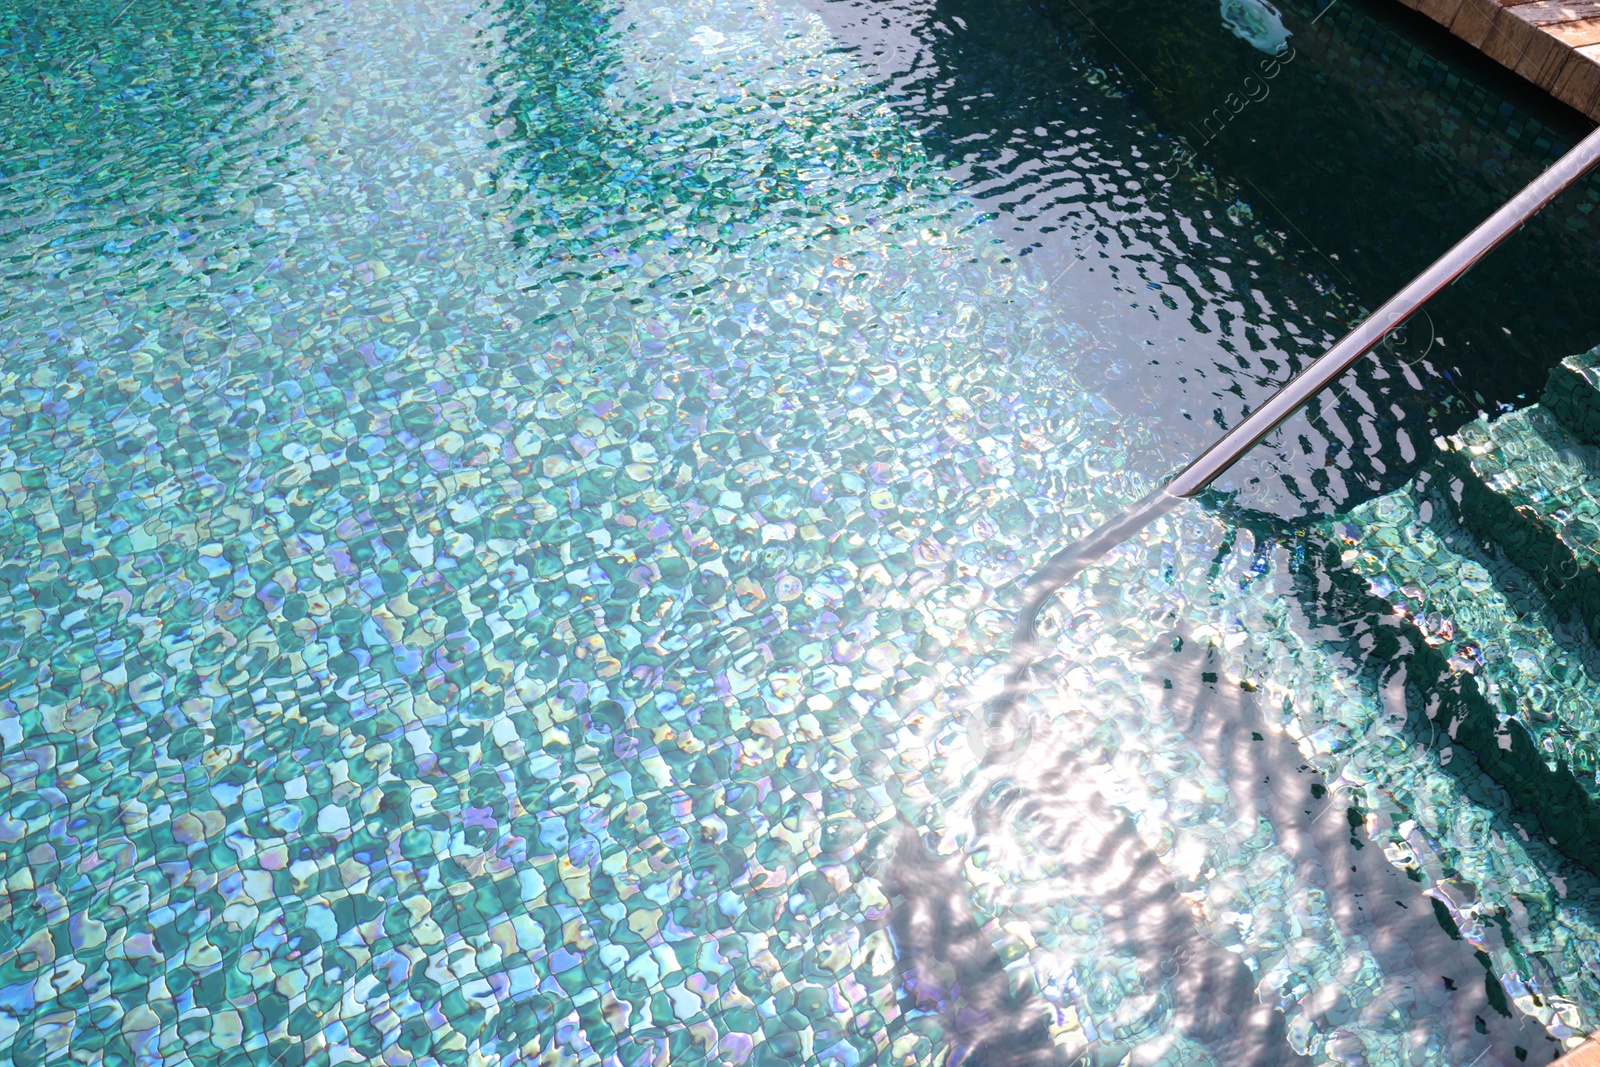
point(1529, 483)
point(1483, 579)
point(1573, 395)
point(1489, 668)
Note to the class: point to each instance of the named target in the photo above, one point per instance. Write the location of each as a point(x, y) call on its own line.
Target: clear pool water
point(1225, 213)
point(510, 513)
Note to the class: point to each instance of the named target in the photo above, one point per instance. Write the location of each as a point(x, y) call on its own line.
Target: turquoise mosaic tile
point(506, 526)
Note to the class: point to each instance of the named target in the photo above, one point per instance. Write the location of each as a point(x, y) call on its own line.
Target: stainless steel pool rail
point(1002, 734)
point(1211, 463)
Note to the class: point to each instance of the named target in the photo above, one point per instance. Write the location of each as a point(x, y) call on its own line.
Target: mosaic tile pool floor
point(508, 514)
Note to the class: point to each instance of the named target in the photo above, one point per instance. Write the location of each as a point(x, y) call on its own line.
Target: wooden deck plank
point(1543, 51)
point(1544, 63)
point(1579, 83)
point(1548, 12)
point(1440, 11)
point(1474, 20)
point(1510, 39)
point(1555, 44)
point(1576, 34)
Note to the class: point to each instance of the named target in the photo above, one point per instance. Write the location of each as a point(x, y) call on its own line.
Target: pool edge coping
point(1555, 44)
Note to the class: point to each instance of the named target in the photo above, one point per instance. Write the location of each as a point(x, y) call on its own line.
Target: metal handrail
point(1205, 468)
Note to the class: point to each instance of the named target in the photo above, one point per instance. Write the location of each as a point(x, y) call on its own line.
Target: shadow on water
point(1210, 259)
point(1439, 986)
point(1453, 995)
point(1379, 139)
point(1444, 707)
point(1210, 263)
point(949, 966)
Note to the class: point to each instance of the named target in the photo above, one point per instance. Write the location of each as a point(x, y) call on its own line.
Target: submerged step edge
point(1446, 708)
point(1523, 485)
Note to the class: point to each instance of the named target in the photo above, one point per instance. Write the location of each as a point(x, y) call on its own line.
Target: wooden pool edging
point(1553, 43)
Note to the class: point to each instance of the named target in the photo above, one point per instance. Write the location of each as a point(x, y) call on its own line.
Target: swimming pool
point(511, 515)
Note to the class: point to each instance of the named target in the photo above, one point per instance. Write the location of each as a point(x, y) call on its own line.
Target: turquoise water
point(511, 515)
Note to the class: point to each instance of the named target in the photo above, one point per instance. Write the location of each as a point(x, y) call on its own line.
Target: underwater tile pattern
point(1533, 460)
point(508, 513)
point(1492, 619)
point(1531, 663)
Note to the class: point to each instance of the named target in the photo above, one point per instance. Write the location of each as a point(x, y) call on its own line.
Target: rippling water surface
point(511, 513)
point(1227, 213)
